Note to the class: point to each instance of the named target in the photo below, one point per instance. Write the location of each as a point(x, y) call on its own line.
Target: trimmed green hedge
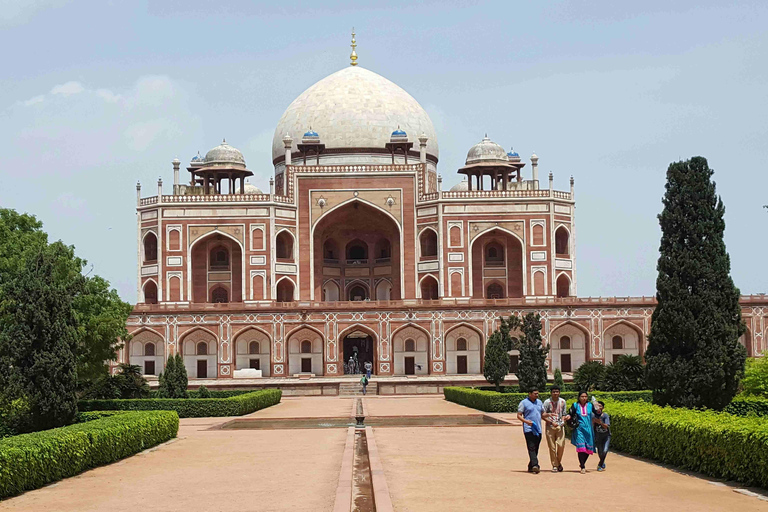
point(226, 393)
point(491, 401)
point(714, 443)
point(748, 406)
point(29, 461)
point(191, 407)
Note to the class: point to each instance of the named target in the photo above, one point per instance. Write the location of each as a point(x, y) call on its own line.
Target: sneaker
point(536, 470)
point(560, 468)
point(599, 468)
point(583, 471)
point(554, 469)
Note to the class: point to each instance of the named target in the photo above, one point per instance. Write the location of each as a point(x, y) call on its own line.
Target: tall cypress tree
point(694, 356)
point(532, 370)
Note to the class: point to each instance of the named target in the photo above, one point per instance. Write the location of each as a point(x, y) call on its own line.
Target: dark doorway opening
point(306, 365)
point(255, 364)
point(461, 364)
point(410, 366)
point(149, 367)
point(358, 349)
point(565, 362)
point(514, 362)
point(202, 369)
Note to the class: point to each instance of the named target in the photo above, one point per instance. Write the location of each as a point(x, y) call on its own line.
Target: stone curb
point(381, 495)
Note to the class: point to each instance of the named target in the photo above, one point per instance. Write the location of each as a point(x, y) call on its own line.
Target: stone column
point(535, 170)
point(176, 164)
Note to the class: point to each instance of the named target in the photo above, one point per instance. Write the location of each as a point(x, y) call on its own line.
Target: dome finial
point(353, 55)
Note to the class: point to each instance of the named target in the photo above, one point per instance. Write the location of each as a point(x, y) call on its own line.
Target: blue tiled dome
point(311, 133)
point(196, 158)
point(399, 133)
point(513, 154)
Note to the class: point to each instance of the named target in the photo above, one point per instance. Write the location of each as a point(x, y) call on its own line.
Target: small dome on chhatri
point(197, 158)
point(487, 152)
point(250, 189)
point(461, 186)
point(398, 135)
point(225, 155)
point(310, 136)
point(513, 155)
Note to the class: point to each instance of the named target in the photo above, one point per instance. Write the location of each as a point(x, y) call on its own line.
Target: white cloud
point(68, 89)
point(108, 95)
point(141, 135)
point(35, 99)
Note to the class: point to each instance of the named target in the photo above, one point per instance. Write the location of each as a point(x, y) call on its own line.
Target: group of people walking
point(590, 425)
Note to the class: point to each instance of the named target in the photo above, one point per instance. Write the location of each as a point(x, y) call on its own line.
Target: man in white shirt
point(555, 417)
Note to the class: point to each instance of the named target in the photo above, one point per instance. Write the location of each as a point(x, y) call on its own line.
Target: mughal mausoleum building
point(355, 249)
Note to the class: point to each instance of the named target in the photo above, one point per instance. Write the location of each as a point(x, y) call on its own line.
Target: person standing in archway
point(368, 368)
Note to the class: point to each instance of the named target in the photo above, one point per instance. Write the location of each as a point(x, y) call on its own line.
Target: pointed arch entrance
point(357, 242)
point(358, 346)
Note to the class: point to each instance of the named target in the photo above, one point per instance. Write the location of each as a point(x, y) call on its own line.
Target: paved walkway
point(426, 469)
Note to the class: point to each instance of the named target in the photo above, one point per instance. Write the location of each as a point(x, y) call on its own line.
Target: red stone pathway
point(425, 469)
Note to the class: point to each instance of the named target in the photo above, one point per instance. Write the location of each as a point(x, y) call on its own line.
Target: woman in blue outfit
point(583, 437)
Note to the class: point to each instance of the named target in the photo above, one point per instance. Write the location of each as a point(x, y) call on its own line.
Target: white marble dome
point(461, 186)
point(354, 108)
point(224, 154)
point(487, 152)
point(250, 189)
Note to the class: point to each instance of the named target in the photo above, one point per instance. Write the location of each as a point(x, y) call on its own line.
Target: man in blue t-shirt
point(529, 412)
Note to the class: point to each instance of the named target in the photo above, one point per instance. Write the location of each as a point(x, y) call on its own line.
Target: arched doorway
point(359, 347)
point(497, 257)
point(217, 266)
point(356, 244)
point(563, 286)
point(429, 288)
point(285, 290)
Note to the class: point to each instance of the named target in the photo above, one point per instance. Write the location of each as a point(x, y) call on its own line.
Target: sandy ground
point(414, 406)
point(484, 468)
point(308, 407)
point(207, 470)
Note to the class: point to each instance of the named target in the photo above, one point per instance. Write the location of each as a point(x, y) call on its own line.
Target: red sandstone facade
point(369, 257)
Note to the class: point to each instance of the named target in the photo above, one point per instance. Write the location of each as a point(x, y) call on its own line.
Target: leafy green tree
point(756, 377)
point(626, 374)
point(39, 336)
point(203, 392)
point(532, 369)
point(101, 317)
point(589, 376)
point(694, 357)
point(496, 365)
point(131, 382)
point(45, 319)
point(558, 379)
point(173, 379)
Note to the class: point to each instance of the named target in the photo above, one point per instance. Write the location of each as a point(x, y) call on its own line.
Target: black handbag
point(573, 421)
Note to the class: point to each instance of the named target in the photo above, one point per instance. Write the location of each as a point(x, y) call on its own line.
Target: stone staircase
point(354, 388)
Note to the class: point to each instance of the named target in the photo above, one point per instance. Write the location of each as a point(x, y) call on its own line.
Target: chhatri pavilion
point(353, 249)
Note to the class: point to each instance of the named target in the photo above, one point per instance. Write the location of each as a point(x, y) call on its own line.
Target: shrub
point(558, 379)
point(173, 380)
point(532, 370)
point(15, 418)
point(755, 380)
point(130, 382)
point(626, 374)
point(589, 376)
point(491, 401)
point(714, 443)
point(496, 365)
point(202, 392)
point(29, 461)
point(192, 407)
point(748, 406)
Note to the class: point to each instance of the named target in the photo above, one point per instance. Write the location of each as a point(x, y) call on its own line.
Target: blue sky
point(95, 96)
